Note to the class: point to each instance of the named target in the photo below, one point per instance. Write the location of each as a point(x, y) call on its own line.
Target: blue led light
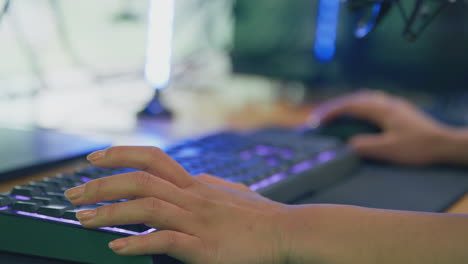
point(325, 34)
point(363, 30)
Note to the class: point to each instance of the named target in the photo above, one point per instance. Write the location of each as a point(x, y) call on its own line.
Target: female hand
point(200, 219)
point(409, 136)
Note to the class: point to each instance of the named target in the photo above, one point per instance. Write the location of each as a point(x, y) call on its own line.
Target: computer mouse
point(344, 127)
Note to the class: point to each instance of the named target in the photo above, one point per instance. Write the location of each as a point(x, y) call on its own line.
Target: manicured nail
point(86, 215)
point(74, 193)
point(117, 245)
point(95, 156)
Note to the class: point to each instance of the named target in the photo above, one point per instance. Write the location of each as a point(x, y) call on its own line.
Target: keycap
point(90, 172)
point(44, 200)
point(71, 213)
point(28, 206)
point(56, 182)
point(44, 187)
point(55, 210)
point(26, 191)
point(68, 177)
point(5, 201)
point(57, 195)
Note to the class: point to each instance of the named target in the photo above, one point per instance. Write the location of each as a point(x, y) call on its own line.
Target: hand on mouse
point(200, 219)
point(409, 136)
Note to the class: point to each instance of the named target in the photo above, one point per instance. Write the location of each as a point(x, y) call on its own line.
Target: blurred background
point(70, 64)
point(103, 66)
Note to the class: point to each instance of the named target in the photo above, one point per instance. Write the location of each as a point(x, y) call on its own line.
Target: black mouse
point(344, 127)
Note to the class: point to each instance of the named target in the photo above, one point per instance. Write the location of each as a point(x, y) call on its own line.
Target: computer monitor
point(314, 42)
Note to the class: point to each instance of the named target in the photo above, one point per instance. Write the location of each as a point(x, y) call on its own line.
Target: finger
point(215, 180)
point(149, 159)
point(372, 107)
point(126, 186)
point(181, 246)
point(150, 211)
point(371, 146)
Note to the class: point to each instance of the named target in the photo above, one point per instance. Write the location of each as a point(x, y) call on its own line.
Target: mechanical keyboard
point(280, 164)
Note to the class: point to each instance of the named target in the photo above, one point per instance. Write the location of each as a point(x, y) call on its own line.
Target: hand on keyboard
point(409, 136)
point(201, 219)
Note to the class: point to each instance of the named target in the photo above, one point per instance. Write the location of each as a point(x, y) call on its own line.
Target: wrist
point(298, 236)
point(311, 233)
point(453, 147)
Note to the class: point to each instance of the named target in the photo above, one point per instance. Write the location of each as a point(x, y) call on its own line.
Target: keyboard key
point(58, 183)
point(71, 213)
point(44, 200)
point(91, 173)
point(30, 207)
point(68, 177)
point(26, 191)
point(5, 201)
point(55, 210)
point(44, 187)
point(57, 195)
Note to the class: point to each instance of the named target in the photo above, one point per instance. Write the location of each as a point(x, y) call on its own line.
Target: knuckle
point(151, 205)
point(172, 240)
point(206, 207)
point(155, 151)
point(93, 188)
point(106, 211)
point(205, 177)
point(142, 179)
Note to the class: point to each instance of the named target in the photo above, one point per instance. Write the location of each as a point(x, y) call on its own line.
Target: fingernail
point(313, 121)
point(117, 245)
point(74, 193)
point(86, 215)
point(95, 156)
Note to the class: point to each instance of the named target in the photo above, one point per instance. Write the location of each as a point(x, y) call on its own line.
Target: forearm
point(454, 147)
point(346, 234)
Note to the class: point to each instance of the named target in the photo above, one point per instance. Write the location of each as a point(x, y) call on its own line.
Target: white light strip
point(159, 42)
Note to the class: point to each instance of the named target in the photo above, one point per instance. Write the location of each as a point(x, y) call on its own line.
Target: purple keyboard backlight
point(268, 181)
point(73, 222)
point(296, 169)
point(21, 197)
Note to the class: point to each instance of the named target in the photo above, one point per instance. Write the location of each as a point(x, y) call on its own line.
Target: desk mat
point(431, 189)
